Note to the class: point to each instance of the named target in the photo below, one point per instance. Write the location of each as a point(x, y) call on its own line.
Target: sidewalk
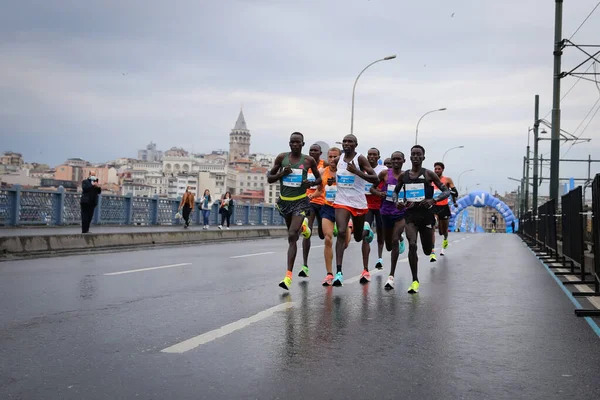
point(51, 241)
point(105, 229)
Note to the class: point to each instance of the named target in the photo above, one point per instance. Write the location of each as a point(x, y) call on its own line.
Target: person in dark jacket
point(89, 200)
point(226, 209)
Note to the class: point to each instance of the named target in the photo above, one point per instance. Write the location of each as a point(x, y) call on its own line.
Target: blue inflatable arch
point(482, 199)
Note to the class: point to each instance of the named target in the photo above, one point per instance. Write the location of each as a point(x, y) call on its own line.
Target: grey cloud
point(189, 66)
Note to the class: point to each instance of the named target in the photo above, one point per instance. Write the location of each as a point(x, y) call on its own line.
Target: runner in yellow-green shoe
point(417, 200)
point(441, 209)
point(291, 170)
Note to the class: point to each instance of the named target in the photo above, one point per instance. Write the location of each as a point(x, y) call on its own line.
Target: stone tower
point(239, 140)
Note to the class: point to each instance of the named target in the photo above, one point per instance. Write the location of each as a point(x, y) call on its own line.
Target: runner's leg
point(396, 232)
point(342, 217)
point(293, 233)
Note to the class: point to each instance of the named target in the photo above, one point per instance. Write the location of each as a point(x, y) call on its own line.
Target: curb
point(22, 247)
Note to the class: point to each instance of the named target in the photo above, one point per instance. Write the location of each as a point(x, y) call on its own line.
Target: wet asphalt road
point(488, 323)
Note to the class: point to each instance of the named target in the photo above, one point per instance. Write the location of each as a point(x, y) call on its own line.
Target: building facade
point(150, 153)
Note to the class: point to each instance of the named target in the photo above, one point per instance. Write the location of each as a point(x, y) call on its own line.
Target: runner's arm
point(312, 165)
point(381, 179)
point(369, 174)
point(276, 173)
point(443, 188)
point(453, 191)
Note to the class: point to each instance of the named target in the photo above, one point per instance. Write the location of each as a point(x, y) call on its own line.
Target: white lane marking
point(209, 336)
point(147, 269)
point(254, 254)
point(316, 247)
point(199, 340)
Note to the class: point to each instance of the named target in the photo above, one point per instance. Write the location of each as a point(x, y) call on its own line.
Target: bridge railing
point(19, 207)
point(569, 256)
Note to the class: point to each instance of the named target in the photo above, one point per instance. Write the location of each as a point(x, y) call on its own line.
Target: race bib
point(330, 192)
point(436, 193)
point(294, 179)
point(389, 194)
point(345, 181)
point(368, 187)
point(310, 177)
point(415, 192)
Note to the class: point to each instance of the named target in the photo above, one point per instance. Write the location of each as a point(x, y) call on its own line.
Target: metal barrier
point(544, 227)
point(40, 207)
point(596, 245)
point(572, 233)
point(527, 227)
point(570, 259)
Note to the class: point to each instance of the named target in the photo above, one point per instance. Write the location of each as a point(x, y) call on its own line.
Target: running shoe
point(442, 252)
point(379, 264)
point(445, 244)
point(370, 234)
point(328, 281)
point(338, 280)
point(335, 230)
point(286, 283)
point(414, 287)
point(390, 283)
point(365, 276)
point(303, 272)
point(305, 229)
point(432, 258)
point(402, 247)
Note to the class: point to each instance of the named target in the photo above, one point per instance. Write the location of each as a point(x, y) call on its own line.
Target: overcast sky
point(101, 79)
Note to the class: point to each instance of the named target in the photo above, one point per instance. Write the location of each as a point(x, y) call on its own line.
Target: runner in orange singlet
point(441, 208)
point(317, 198)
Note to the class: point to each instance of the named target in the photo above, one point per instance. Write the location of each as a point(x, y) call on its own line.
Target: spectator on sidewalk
point(226, 209)
point(205, 206)
point(187, 203)
point(90, 189)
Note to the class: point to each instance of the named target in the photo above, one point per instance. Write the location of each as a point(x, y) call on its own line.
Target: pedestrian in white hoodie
point(205, 206)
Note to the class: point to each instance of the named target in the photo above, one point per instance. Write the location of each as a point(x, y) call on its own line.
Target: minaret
point(239, 139)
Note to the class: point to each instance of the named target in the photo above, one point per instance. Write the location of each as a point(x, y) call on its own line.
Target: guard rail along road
point(572, 260)
point(19, 207)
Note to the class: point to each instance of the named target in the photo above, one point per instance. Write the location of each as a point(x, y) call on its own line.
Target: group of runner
point(349, 193)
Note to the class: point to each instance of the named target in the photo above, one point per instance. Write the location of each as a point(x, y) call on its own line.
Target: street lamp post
point(428, 112)
point(468, 187)
point(461, 174)
point(354, 87)
point(453, 148)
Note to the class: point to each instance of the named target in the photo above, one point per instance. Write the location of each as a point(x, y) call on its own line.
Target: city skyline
point(108, 79)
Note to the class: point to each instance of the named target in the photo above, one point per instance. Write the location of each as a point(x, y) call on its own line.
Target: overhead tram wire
point(580, 76)
point(585, 20)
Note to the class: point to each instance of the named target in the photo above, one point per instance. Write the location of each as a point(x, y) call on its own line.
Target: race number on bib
point(294, 179)
point(330, 192)
point(415, 192)
point(389, 194)
point(345, 181)
point(368, 187)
